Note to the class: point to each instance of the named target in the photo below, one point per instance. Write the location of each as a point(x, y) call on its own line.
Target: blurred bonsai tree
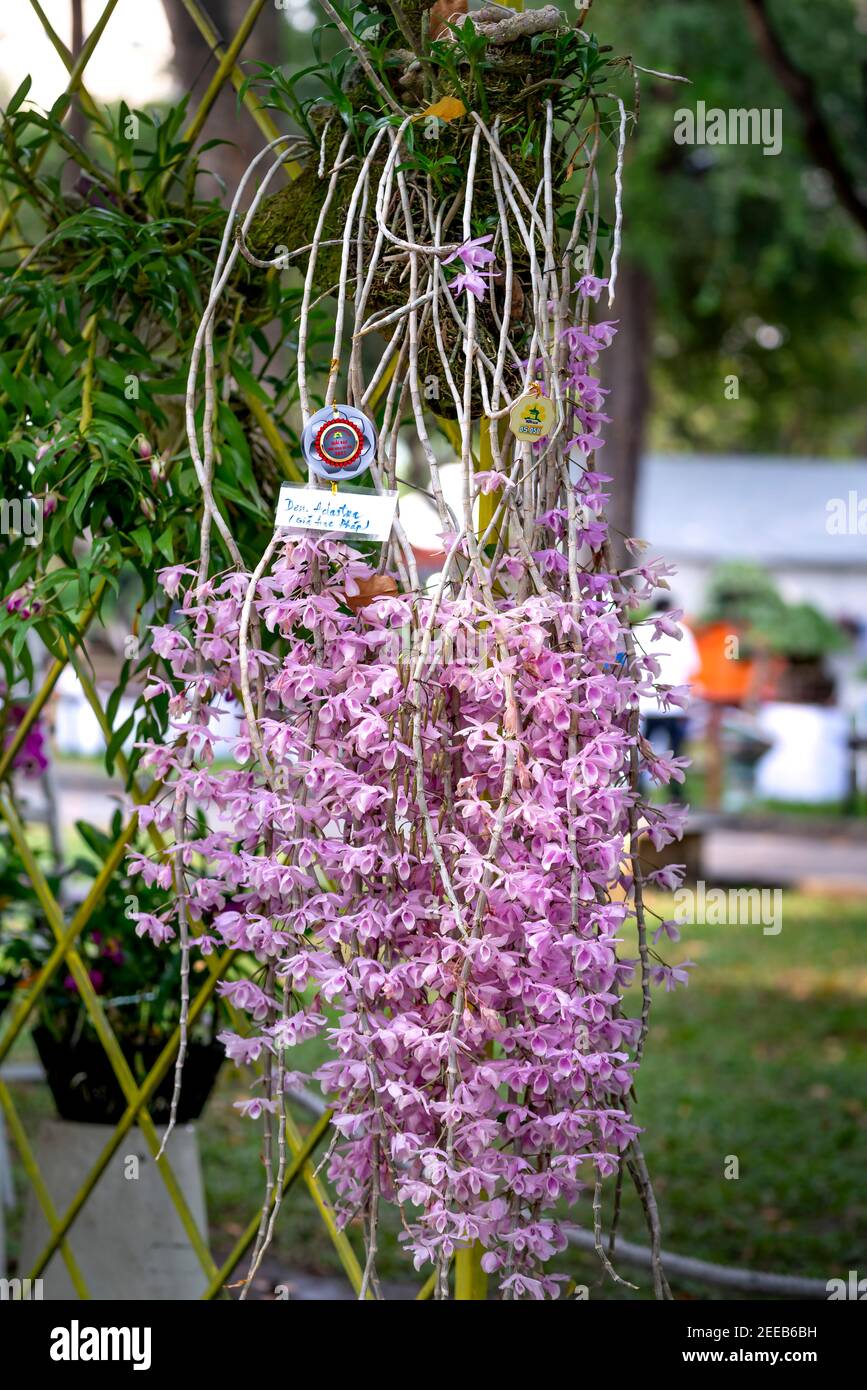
point(744, 287)
point(745, 594)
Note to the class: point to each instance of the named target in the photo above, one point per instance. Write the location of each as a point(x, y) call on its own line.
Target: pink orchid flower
point(473, 253)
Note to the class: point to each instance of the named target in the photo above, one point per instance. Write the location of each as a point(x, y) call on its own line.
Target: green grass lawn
point(763, 1056)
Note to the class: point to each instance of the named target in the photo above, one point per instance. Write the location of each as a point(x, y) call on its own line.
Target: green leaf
point(248, 382)
point(12, 387)
point(20, 638)
point(165, 545)
point(82, 492)
point(18, 96)
point(144, 540)
point(94, 839)
point(116, 695)
point(116, 741)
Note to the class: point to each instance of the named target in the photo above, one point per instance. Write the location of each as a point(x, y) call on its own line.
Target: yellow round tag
point(531, 417)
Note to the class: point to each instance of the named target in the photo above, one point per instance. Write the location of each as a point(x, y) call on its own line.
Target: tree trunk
point(627, 374)
point(75, 120)
point(194, 67)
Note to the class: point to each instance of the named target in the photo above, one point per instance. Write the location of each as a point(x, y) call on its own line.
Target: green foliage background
point(734, 239)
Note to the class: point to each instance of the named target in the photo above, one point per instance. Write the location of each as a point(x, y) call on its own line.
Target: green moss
point(289, 219)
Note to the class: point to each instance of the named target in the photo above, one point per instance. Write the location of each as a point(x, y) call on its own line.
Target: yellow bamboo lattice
point(66, 935)
point(470, 1281)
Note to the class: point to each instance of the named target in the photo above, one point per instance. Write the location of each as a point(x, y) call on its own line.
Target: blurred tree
point(743, 297)
point(271, 39)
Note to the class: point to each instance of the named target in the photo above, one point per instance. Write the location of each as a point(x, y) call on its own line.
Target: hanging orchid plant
point(430, 840)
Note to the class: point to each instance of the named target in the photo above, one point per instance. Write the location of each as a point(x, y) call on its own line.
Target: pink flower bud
point(21, 602)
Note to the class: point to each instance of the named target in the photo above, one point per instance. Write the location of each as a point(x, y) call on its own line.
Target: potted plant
point(18, 902)
point(791, 641)
point(137, 988)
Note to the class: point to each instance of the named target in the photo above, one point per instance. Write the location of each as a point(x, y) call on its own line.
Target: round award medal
point(338, 442)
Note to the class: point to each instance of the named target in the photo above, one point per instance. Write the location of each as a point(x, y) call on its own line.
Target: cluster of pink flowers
point(22, 601)
point(480, 1059)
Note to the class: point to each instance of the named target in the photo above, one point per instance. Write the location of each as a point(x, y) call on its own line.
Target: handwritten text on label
point(367, 515)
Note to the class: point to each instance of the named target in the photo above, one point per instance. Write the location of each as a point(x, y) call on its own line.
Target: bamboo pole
point(88, 104)
point(72, 87)
point(233, 72)
point(66, 58)
point(22, 1011)
point(339, 1239)
point(224, 70)
point(471, 1281)
point(293, 1172)
point(217, 968)
point(103, 1029)
point(287, 464)
point(37, 1182)
point(52, 676)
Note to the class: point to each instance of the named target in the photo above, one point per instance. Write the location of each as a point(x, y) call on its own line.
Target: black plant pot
point(85, 1088)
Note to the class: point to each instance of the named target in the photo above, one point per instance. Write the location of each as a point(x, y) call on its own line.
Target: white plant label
point(368, 515)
